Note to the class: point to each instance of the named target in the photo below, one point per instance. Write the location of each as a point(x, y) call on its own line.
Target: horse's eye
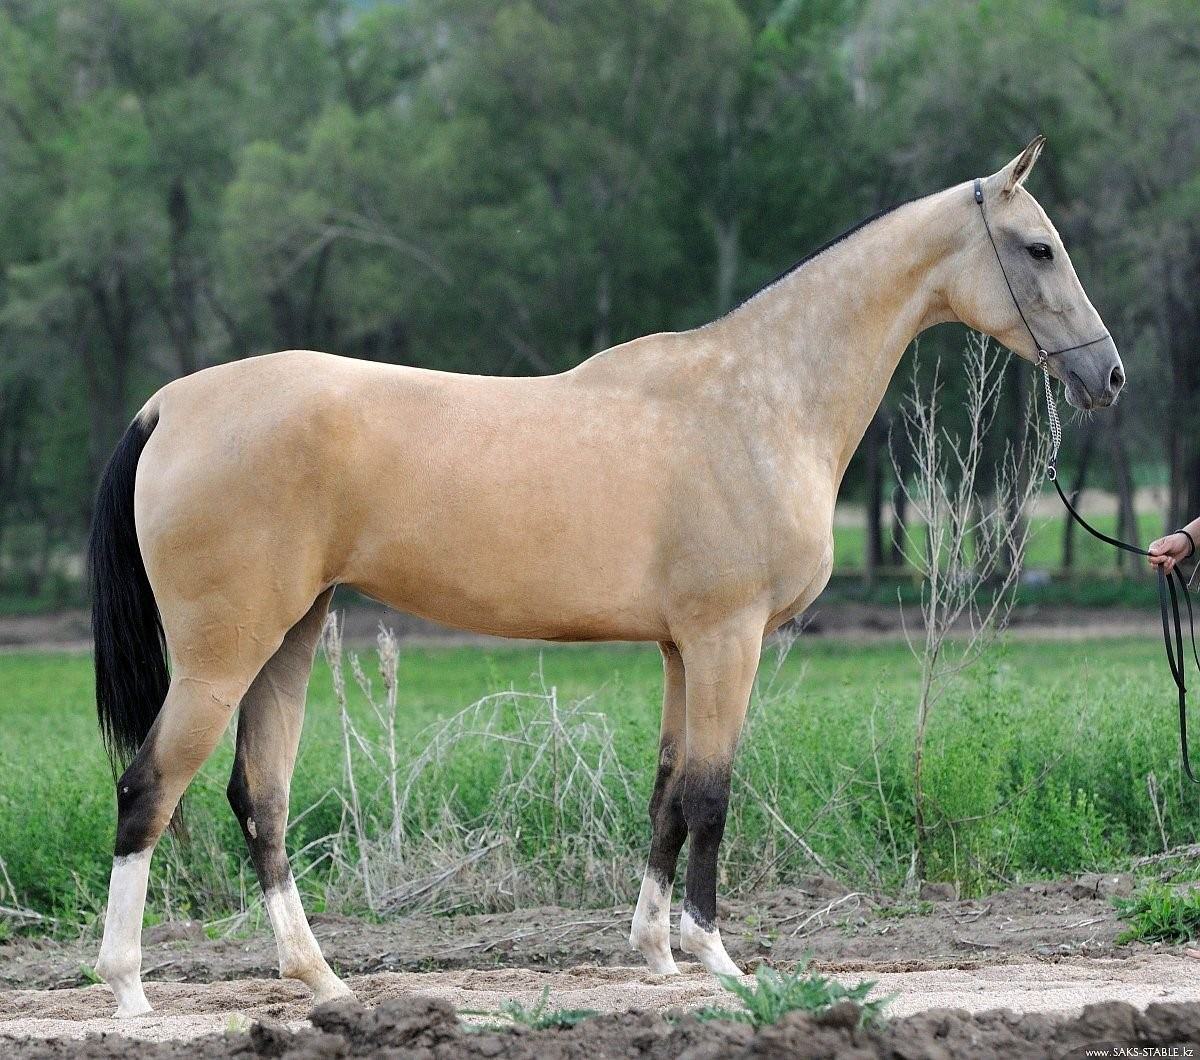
point(1041, 251)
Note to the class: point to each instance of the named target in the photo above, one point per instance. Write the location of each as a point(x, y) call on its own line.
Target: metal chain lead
point(1052, 413)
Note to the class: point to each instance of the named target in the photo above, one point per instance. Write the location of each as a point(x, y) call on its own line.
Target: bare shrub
point(548, 821)
point(12, 912)
point(974, 537)
point(193, 878)
point(764, 849)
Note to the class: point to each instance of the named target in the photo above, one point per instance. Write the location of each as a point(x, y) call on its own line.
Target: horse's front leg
point(720, 667)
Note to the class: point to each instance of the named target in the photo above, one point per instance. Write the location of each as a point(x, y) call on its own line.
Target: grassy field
point(1038, 764)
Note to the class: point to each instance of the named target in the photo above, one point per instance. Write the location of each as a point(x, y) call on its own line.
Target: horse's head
point(1044, 287)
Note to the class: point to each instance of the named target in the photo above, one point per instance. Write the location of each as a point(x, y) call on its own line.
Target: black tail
point(131, 658)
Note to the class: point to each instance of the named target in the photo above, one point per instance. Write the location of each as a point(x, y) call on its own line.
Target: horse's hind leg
point(269, 723)
point(651, 931)
point(194, 714)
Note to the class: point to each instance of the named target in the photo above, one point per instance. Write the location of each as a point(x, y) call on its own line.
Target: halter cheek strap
point(1043, 353)
point(1170, 586)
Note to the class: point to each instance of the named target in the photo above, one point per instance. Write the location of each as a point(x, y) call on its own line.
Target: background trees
point(507, 186)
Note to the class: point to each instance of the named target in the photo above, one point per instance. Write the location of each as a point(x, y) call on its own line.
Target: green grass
point(1037, 765)
point(1158, 913)
point(773, 995)
point(540, 1016)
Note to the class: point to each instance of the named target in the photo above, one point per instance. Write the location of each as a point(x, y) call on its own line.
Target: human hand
point(1167, 551)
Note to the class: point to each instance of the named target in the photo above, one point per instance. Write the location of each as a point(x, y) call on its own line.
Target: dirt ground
point(1043, 948)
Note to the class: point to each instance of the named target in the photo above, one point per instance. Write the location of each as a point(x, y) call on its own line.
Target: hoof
point(133, 1010)
point(126, 985)
point(706, 946)
point(334, 990)
point(656, 948)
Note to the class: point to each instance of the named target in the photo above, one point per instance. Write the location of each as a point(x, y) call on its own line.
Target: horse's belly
point(532, 611)
point(468, 578)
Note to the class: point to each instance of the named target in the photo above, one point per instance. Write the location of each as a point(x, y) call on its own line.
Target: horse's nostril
point(1117, 379)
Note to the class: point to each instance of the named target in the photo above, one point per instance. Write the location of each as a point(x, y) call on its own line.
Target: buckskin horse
point(678, 488)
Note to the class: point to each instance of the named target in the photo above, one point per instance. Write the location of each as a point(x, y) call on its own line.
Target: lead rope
point(1168, 594)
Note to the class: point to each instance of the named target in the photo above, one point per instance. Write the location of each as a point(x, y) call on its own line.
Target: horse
point(678, 488)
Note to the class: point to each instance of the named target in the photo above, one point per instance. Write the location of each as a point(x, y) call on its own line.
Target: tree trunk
point(602, 333)
point(180, 311)
point(1181, 324)
point(1020, 410)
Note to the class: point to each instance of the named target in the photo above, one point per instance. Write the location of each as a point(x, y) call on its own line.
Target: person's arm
point(1167, 551)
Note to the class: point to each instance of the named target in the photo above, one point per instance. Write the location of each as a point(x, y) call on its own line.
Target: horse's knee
point(665, 795)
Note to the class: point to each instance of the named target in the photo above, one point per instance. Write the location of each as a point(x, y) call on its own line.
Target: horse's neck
point(820, 345)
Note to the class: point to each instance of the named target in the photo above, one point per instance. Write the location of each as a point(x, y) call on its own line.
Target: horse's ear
point(1014, 174)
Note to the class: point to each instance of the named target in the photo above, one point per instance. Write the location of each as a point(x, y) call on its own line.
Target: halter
point(1168, 594)
point(1044, 355)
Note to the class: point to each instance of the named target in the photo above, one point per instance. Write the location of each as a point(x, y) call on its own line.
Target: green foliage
point(508, 186)
point(542, 1017)
point(773, 995)
point(1037, 764)
point(1159, 913)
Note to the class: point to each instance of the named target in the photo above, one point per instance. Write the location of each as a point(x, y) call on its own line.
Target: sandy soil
point(1044, 947)
point(820, 917)
point(188, 1010)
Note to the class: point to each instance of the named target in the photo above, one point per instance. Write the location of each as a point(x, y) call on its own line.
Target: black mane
point(821, 250)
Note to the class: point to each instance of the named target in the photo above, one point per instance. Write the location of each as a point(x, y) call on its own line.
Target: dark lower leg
point(705, 804)
point(651, 931)
point(261, 808)
point(262, 815)
point(139, 824)
point(188, 726)
point(721, 667)
point(666, 819)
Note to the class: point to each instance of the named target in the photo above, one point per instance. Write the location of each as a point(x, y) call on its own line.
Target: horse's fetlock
point(114, 967)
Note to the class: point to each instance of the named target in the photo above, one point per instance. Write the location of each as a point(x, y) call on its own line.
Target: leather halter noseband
point(1168, 593)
